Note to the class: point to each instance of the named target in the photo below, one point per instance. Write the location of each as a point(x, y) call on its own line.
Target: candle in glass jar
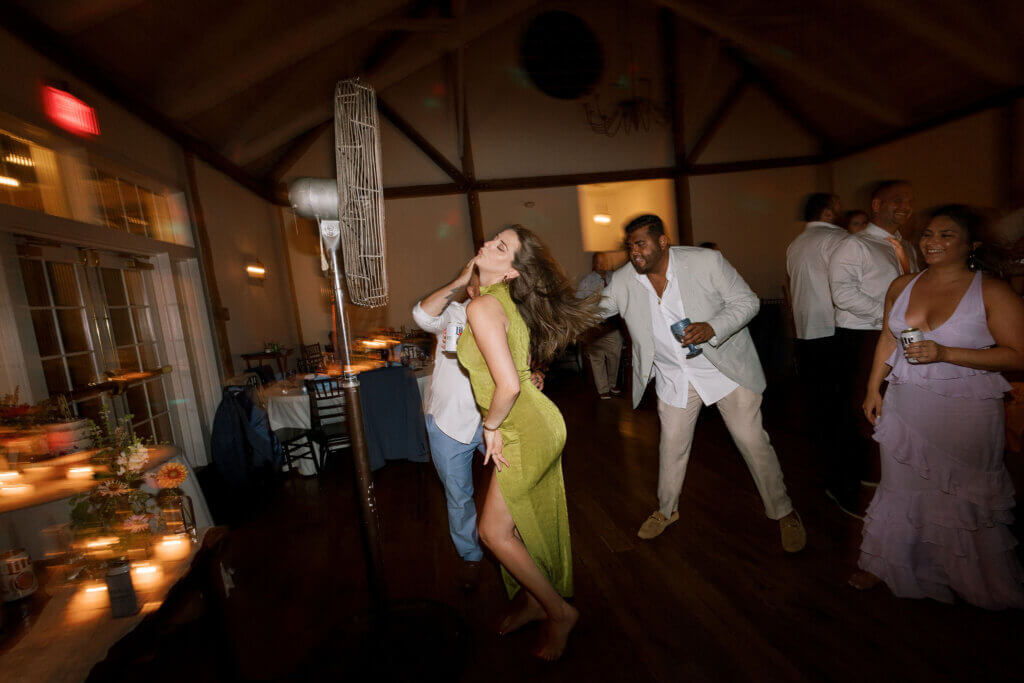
point(146, 575)
point(9, 476)
point(84, 472)
point(173, 547)
point(93, 595)
point(16, 489)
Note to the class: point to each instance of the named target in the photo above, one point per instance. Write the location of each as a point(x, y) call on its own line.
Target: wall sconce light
point(256, 270)
point(602, 218)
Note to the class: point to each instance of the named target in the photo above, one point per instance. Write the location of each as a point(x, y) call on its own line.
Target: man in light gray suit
point(664, 285)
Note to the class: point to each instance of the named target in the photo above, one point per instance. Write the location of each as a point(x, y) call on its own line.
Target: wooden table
point(281, 356)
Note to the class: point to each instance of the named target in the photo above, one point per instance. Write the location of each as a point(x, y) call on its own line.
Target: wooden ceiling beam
point(783, 59)
point(415, 55)
point(914, 19)
point(71, 17)
point(291, 46)
point(421, 142)
point(718, 117)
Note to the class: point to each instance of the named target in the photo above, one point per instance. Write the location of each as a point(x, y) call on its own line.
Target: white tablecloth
point(291, 410)
point(24, 528)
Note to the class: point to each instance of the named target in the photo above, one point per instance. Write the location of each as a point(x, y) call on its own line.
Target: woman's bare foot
point(524, 610)
point(556, 633)
point(864, 581)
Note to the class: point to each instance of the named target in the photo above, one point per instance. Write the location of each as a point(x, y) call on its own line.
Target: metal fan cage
point(357, 147)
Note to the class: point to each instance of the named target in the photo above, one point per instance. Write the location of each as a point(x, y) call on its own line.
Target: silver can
point(17, 579)
point(451, 339)
point(908, 337)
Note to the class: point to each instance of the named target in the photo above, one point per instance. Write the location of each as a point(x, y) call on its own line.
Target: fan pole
point(369, 525)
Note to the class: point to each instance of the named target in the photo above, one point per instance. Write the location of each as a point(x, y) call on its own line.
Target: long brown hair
point(547, 300)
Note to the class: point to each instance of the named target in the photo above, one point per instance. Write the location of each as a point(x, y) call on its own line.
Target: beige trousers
point(603, 354)
point(741, 411)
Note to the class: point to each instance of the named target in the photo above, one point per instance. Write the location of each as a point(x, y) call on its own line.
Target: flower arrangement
point(13, 413)
point(117, 503)
point(171, 475)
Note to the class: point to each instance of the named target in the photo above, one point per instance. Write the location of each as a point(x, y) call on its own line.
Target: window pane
point(150, 361)
point(163, 429)
point(110, 202)
point(155, 391)
point(121, 326)
point(63, 284)
point(136, 294)
point(56, 380)
point(82, 371)
point(134, 216)
point(46, 333)
point(72, 330)
point(144, 431)
point(128, 359)
point(136, 396)
point(143, 331)
point(35, 283)
point(113, 287)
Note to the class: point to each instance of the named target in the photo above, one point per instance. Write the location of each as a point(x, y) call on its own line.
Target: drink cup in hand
point(679, 331)
point(451, 337)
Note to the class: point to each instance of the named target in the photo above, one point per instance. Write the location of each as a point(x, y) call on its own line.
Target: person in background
point(663, 286)
point(807, 266)
point(453, 421)
point(939, 522)
point(603, 346)
point(855, 221)
point(709, 245)
point(860, 272)
point(527, 311)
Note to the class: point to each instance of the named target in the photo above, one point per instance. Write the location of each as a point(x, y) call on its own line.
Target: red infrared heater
point(69, 112)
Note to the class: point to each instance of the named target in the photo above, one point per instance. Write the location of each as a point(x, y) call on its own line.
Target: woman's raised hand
point(493, 445)
point(467, 272)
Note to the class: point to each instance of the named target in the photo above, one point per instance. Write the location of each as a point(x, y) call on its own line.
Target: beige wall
point(753, 216)
point(242, 226)
point(952, 163)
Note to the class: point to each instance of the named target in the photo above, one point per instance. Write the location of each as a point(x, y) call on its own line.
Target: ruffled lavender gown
point(939, 521)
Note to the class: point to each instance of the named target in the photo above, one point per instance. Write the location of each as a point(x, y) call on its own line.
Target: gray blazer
point(712, 292)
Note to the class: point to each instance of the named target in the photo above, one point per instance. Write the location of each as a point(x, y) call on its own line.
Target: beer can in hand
point(451, 337)
point(908, 337)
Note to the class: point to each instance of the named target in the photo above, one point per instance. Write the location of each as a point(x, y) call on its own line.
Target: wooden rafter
point(810, 74)
point(421, 142)
point(418, 53)
point(915, 19)
point(75, 16)
point(292, 45)
point(674, 103)
point(718, 117)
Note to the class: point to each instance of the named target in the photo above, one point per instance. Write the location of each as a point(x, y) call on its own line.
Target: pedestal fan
point(349, 211)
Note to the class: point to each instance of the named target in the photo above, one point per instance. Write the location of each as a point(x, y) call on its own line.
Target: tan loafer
point(655, 524)
point(794, 536)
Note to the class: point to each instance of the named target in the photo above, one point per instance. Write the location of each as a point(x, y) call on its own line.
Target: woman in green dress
point(526, 310)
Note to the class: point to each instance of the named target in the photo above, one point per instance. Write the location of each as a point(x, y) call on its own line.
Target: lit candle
point(146, 575)
point(93, 595)
point(9, 476)
point(84, 472)
point(16, 489)
point(176, 547)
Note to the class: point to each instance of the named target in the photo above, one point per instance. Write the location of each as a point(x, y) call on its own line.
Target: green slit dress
point(533, 436)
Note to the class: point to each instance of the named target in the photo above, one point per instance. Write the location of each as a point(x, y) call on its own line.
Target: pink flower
point(112, 487)
point(136, 523)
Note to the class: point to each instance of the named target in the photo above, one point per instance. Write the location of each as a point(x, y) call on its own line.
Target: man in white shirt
point(862, 268)
point(603, 347)
point(453, 421)
point(807, 265)
point(661, 287)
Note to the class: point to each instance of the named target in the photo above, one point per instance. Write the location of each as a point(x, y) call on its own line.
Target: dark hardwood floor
point(713, 599)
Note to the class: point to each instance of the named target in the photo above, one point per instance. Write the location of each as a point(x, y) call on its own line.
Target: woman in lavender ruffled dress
point(939, 522)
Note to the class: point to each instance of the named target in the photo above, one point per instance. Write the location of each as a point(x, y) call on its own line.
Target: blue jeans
point(453, 461)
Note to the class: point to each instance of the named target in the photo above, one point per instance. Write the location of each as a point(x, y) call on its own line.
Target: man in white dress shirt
point(862, 268)
point(603, 347)
point(807, 265)
point(453, 421)
point(662, 286)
